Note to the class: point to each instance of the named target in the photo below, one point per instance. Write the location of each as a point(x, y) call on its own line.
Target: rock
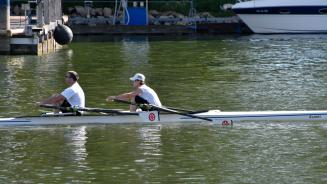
point(171, 16)
point(167, 13)
point(181, 23)
point(179, 15)
point(154, 13)
point(156, 23)
point(99, 11)
point(71, 10)
point(93, 12)
point(164, 17)
point(206, 15)
point(107, 12)
point(151, 17)
point(80, 10)
point(73, 15)
point(168, 24)
point(77, 21)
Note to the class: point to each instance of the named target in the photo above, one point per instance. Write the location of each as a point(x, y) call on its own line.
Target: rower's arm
point(56, 99)
point(124, 96)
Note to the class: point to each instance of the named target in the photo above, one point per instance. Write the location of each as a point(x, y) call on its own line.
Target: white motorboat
point(283, 16)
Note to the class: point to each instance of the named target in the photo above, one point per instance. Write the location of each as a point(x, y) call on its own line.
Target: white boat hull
point(283, 16)
point(272, 24)
point(225, 118)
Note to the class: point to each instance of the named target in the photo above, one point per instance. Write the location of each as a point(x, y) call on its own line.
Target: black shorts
point(67, 104)
point(140, 100)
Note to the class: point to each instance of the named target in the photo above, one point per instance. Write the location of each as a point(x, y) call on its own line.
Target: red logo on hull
point(152, 117)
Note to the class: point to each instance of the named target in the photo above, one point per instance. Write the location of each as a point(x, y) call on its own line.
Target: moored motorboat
point(283, 16)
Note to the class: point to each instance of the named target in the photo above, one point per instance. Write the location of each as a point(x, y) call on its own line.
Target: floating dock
point(31, 33)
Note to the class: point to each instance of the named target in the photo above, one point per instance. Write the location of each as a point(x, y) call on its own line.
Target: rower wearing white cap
point(142, 94)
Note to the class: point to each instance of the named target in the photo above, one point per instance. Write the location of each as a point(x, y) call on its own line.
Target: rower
point(73, 96)
point(142, 94)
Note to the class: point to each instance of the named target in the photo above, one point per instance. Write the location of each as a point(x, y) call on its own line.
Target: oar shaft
point(166, 110)
point(173, 108)
point(56, 107)
point(74, 109)
point(179, 113)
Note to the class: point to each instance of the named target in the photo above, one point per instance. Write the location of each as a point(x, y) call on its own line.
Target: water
point(257, 72)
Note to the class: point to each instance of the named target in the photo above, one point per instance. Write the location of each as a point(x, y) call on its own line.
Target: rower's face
point(68, 79)
point(136, 83)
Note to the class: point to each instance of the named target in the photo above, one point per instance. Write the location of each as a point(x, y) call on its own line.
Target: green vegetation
point(212, 6)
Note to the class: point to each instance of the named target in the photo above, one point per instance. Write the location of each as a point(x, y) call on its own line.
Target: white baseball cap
point(138, 76)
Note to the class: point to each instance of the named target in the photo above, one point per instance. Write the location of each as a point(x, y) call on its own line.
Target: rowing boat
point(224, 118)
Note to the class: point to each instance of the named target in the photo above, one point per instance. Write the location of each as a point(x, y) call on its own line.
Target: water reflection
point(27, 79)
point(10, 84)
point(270, 72)
point(150, 147)
point(246, 73)
point(78, 138)
point(136, 50)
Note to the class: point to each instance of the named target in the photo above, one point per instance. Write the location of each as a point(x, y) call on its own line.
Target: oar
point(172, 108)
point(87, 109)
point(165, 110)
point(180, 113)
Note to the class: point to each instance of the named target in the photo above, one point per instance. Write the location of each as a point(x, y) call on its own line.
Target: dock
point(31, 33)
point(31, 29)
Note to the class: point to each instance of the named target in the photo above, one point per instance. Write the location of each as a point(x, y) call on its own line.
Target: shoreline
point(210, 28)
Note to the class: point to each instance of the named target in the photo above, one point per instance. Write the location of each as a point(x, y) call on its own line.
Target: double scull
point(143, 117)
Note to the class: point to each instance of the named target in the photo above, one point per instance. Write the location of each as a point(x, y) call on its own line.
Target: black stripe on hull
point(294, 10)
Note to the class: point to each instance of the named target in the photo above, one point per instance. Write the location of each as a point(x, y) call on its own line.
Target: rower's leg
point(132, 108)
point(64, 103)
point(57, 103)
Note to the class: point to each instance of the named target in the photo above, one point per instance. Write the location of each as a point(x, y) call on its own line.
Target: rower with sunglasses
point(73, 96)
point(142, 94)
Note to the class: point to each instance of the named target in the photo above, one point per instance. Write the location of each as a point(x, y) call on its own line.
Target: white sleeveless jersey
point(149, 95)
point(74, 95)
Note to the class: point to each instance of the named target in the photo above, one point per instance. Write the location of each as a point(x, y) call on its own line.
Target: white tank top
point(74, 95)
point(149, 95)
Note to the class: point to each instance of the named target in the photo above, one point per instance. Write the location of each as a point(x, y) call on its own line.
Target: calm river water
point(257, 72)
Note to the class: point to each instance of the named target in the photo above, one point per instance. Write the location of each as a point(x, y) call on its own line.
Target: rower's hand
point(37, 104)
point(110, 98)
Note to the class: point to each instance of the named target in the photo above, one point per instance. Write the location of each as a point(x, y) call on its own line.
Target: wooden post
point(4, 14)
